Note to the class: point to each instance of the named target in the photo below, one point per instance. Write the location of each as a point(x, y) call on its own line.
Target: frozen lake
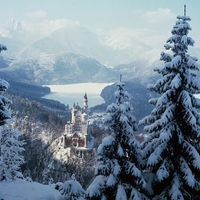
point(73, 93)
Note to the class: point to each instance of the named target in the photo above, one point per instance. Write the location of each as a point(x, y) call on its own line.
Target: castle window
point(75, 142)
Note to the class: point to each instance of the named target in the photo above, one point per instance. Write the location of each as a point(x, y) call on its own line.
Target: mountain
point(63, 68)
point(111, 49)
point(76, 54)
point(12, 29)
point(73, 54)
point(142, 68)
point(124, 45)
point(72, 38)
point(14, 37)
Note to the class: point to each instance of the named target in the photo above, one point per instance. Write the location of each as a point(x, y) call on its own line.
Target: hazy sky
point(101, 14)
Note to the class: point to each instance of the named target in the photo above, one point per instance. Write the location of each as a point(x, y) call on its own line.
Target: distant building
point(77, 130)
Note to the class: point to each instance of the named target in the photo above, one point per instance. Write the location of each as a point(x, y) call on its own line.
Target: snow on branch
point(193, 154)
point(184, 25)
point(187, 40)
point(156, 156)
point(2, 48)
point(4, 85)
point(184, 18)
point(192, 64)
point(176, 61)
point(153, 101)
point(121, 194)
point(117, 167)
point(168, 114)
point(132, 169)
point(176, 82)
point(111, 181)
point(95, 188)
point(174, 191)
point(184, 39)
point(188, 175)
point(173, 39)
point(120, 151)
point(120, 84)
point(135, 195)
point(163, 172)
point(166, 135)
point(186, 99)
point(165, 56)
point(167, 46)
point(162, 100)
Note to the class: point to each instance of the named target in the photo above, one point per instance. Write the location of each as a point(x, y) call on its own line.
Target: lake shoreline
point(70, 94)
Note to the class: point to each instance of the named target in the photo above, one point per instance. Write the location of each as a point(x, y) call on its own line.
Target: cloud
point(44, 27)
point(39, 14)
point(159, 16)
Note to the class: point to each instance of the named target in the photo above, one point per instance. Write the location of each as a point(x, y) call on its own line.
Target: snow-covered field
point(24, 190)
point(73, 93)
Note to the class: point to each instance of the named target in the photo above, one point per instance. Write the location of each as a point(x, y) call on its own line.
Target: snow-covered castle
point(77, 130)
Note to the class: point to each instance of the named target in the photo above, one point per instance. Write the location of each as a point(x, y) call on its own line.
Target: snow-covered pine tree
point(5, 113)
point(10, 147)
point(173, 127)
point(72, 190)
point(10, 154)
point(118, 175)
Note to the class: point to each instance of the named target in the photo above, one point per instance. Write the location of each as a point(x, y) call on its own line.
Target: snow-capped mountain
point(11, 29)
point(143, 67)
point(111, 49)
point(124, 45)
point(14, 38)
point(72, 38)
point(37, 60)
point(61, 68)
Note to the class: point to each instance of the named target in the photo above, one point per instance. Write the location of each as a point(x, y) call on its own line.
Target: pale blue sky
point(104, 14)
point(97, 13)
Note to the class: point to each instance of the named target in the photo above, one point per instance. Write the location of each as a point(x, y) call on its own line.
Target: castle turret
point(85, 104)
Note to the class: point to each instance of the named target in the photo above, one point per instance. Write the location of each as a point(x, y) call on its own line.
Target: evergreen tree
point(172, 149)
point(118, 175)
point(10, 147)
point(10, 154)
point(5, 113)
point(72, 190)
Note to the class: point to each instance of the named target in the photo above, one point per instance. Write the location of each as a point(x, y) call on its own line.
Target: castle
point(77, 130)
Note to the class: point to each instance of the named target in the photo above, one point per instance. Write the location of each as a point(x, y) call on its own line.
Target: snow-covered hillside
point(25, 190)
point(61, 68)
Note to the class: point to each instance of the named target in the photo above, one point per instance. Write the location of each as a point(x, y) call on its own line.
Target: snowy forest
point(164, 165)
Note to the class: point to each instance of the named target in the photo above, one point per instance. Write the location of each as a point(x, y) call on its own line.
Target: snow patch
point(21, 189)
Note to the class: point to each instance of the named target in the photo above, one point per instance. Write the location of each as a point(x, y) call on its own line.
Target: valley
point(83, 100)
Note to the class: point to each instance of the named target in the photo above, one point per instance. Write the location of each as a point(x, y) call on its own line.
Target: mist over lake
point(73, 93)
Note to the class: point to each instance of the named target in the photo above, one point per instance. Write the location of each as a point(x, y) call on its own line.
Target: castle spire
point(85, 96)
point(85, 103)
